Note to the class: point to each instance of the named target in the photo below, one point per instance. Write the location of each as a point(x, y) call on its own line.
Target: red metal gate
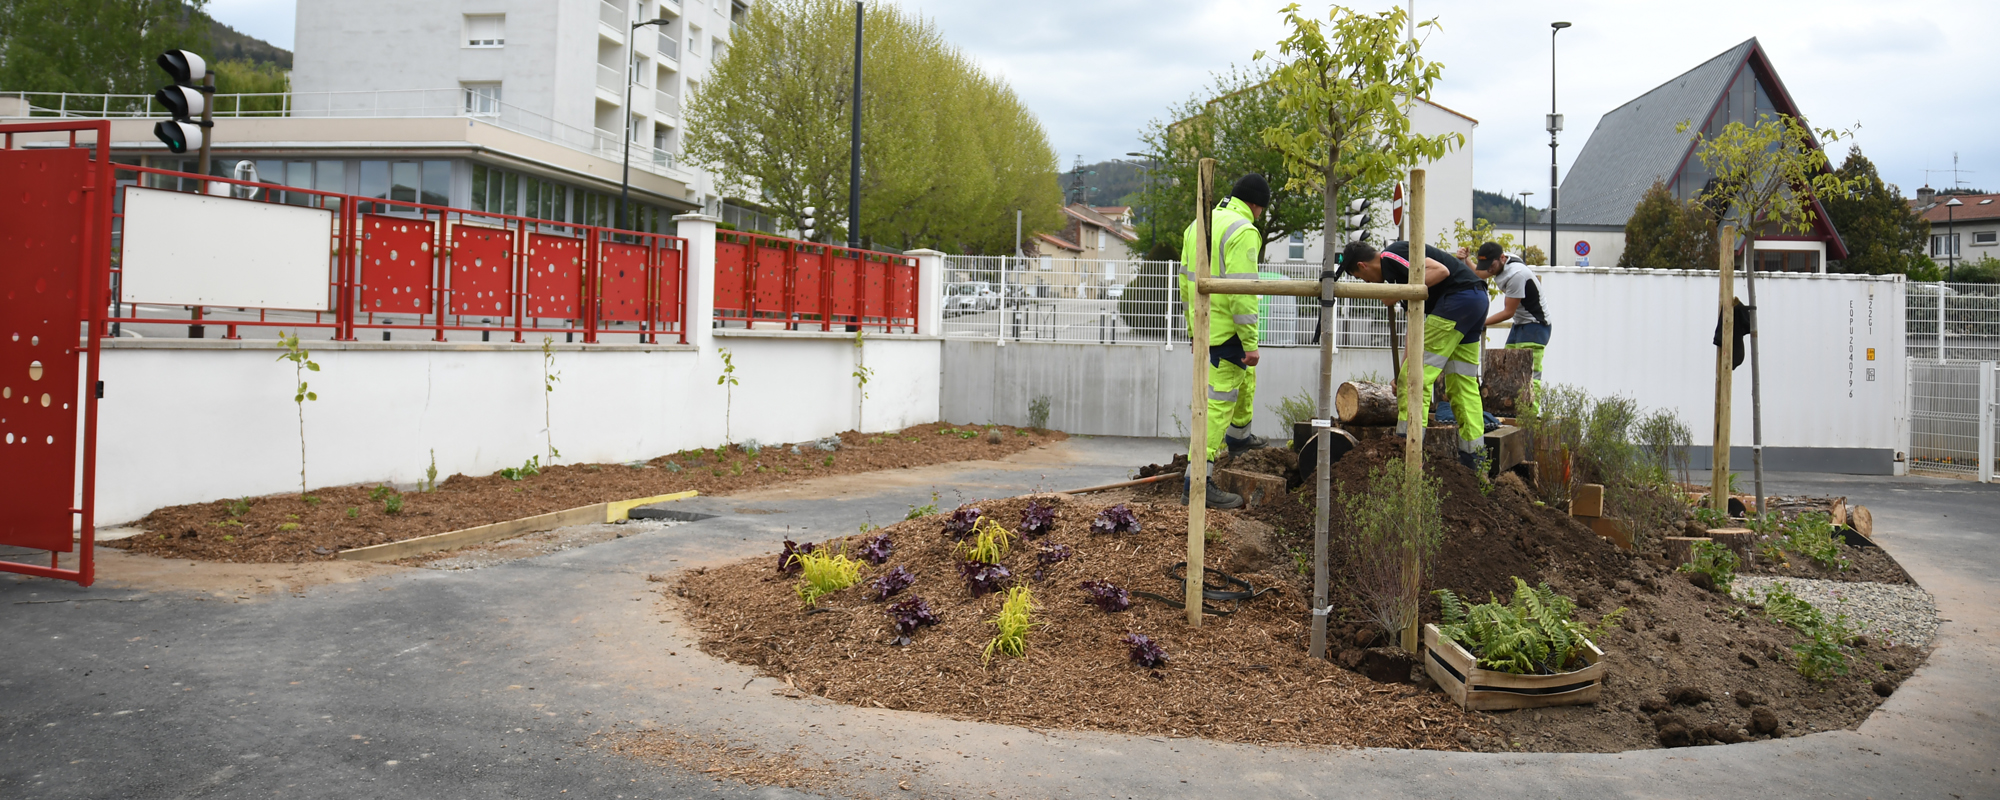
point(52, 245)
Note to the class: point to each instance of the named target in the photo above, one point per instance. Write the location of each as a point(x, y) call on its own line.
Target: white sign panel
point(186, 249)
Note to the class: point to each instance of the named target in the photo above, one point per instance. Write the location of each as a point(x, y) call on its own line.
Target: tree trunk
point(1680, 549)
point(1365, 403)
point(1505, 374)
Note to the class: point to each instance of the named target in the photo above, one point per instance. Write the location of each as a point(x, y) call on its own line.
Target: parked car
point(969, 298)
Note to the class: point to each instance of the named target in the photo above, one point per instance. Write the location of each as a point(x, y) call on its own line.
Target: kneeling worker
point(1454, 332)
point(1522, 289)
point(1232, 323)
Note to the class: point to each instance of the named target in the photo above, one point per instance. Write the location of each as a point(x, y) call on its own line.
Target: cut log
point(1741, 541)
point(1341, 441)
point(1862, 521)
point(1505, 374)
point(1506, 448)
point(1617, 530)
point(1588, 501)
point(1365, 403)
point(1680, 549)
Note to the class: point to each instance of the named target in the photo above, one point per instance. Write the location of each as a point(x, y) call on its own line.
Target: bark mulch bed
point(1244, 677)
point(288, 528)
point(1722, 665)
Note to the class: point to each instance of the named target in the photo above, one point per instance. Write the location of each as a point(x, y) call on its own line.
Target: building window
point(1295, 248)
point(485, 30)
point(482, 99)
point(694, 40)
point(1944, 244)
point(1986, 237)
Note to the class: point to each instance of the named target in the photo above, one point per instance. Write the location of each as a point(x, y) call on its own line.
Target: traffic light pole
point(197, 330)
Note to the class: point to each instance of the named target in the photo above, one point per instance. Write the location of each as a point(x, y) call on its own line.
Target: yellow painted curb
point(615, 511)
point(481, 534)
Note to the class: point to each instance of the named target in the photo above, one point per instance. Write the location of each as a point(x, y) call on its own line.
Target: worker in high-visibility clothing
point(1235, 247)
point(1521, 289)
point(1454, 333)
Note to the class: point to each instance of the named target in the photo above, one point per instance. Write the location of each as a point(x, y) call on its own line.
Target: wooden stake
point(1414, 389)
point(1718, 496)
point(1197, 471)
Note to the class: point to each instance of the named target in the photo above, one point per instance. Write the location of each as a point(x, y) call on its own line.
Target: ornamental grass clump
point(1534, 634)
point(1013, 624)
point(962, 522)
point(909, 614)
point(1037, 519)
point(1143, 652)
point(1116, 519)
point(893, 581)
point(823, 572)
point(989, 543)
point(1108, 596)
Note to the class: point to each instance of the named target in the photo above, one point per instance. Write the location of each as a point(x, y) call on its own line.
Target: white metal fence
point(1971, 314)
point(1061, 300)
point(1952, 417)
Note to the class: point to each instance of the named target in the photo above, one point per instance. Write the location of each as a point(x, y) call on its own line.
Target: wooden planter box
point(1477, 689)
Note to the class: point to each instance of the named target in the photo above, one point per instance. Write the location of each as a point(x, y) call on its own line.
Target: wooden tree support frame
point(1325, 289)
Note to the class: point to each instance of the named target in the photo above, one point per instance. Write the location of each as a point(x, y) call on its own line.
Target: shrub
point(394, 504)
point(1143, 652)
point(1634, 456)
point(1108, 596)
point(1294, 409)
point(909, 614)
point(1116, 519)
point(1037, 519)
point(1535, 634)
point(1013, 624)
point(1391, 542)
point(893, 581)
point(532, 466)
point(1038, 413)
point(1715, 563)
point(1811, 535)
point(822, 572)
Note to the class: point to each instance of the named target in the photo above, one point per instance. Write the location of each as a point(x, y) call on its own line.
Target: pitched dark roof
point(1636, 144)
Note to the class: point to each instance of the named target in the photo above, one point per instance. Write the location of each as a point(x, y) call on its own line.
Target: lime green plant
point(823, 572)
point(1013, 624)
point(1534, 634)
point(302, 363)
point(989, 542)
point(430, 482)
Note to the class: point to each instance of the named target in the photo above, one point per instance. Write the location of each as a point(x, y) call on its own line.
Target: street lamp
point(1951, 238)
point(1555, 126)
point(1524, 225)
point(1153, 225)
point(631, 66)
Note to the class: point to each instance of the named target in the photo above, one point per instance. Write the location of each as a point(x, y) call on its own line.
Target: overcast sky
point(1918, 79)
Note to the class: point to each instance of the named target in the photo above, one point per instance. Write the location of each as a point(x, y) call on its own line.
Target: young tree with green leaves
point(1766, 178)
point(1665, 233)
point(1883, 235)
point(95, 46)
point(948, 153)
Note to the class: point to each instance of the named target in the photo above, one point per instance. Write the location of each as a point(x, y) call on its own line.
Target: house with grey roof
point(1637, 144)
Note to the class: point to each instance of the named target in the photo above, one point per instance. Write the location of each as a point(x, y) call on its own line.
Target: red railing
point(448, 269)
point(803, 285)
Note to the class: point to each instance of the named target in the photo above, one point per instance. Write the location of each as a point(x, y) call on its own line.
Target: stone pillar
point(699, 230)
point(930, 291)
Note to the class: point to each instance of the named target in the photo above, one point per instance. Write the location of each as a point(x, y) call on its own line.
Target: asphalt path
point(498, 682)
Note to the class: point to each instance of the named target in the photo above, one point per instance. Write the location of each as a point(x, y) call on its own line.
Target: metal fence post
point(1986, 433)
point(1940, 321)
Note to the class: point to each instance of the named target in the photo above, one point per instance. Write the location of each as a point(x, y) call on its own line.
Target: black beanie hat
point(1252, 189)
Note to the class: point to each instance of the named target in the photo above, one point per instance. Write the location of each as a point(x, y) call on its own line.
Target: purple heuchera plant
point(893, 581)
point(961, 522)
point(1052, 554)
point(983, 578)
point(1116, 519)
point(876, 549)
point(909, 614)
point(787, 562)
point(1108, 596)
point(1038, 519)
point(1144, 652)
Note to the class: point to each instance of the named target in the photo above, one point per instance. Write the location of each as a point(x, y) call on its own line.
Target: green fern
point(1534, 633)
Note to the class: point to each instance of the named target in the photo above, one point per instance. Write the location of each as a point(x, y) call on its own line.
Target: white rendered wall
point(193, 422)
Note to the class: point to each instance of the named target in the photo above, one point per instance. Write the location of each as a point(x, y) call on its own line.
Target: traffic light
point(807, 223)
point(186, 100)
point(1356, 220)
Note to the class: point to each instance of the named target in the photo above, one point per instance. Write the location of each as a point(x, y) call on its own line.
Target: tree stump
point(1861, 521)
point(1739, 540)
point(1504, 375)
point(1365, 403)
point(1680, 549)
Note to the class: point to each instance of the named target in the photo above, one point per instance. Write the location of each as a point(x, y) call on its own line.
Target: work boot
point(1251, 442)
point(1473, 461)
point(1217, 498)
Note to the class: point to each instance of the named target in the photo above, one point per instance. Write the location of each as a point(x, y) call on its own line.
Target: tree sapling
point(302, 363)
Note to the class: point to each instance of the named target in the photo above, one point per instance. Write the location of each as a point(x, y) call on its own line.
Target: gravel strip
point(1892, 613)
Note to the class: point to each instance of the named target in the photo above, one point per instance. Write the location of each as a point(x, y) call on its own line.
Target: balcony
point(611, 15)
point(611, 79)
point(666, 105)
point(669, 47)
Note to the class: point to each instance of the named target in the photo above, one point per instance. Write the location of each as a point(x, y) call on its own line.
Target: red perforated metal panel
point(42, 223)
point(672, 271)
point(875, 290)
point(902, 292)
point(844, 293)
point(809, 282)
point(555, 276)
point(769, 258)
point(396, 264)
point(482, 272)
point(623, 287)
point(731, 276)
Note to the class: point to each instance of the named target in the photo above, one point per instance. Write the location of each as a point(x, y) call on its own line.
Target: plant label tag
point(1322, 423)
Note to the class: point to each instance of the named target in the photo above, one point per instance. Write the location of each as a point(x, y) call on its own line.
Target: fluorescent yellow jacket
point(1236, 238)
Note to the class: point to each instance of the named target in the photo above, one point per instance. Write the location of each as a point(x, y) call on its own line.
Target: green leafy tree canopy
point(1665, 233)
point(1766, 175)
point(95, 46)
point(1883, 235)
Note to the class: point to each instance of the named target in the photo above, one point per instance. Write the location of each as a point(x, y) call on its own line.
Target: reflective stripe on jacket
point(1239, 244)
